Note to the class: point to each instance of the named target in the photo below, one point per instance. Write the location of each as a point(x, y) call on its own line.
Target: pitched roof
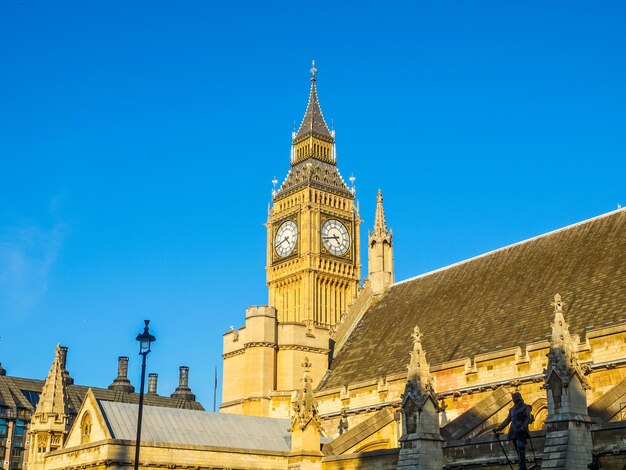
point(11, 396)
point(76, 395)
point(191, 427)
point(316, 174)
point(495, 301)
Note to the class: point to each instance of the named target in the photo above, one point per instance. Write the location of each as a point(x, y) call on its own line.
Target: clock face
point(335, 237)
point(286, 238)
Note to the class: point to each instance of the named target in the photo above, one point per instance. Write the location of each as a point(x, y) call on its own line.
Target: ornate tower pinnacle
point(563, 355)
point(380, 225)
point(305, 405)
point(418, 368)
point(53, 401)
point(420, 442)
point(313, 138)
point(380, 251)
point(50, 422)
point(568, 442)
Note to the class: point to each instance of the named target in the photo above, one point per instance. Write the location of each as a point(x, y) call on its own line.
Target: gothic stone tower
point(313, 264)
point(50, 423)
point(313, 273)
point(380, 251)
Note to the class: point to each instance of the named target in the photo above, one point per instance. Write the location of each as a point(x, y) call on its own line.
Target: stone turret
point(183, 392)
point(121, 382)
point(568, 426)
point(305, 426)
point(380, 251)
point(50, 423)
point(421, 442)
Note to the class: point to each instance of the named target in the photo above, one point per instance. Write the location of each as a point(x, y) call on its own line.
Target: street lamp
point(145, 340)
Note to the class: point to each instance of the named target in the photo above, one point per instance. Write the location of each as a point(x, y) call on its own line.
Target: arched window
point(540, 413)
point(85, 428)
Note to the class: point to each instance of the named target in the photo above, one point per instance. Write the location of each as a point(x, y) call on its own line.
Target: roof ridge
point(536, 237)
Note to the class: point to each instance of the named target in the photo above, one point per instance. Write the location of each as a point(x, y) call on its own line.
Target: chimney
point(152, 383)
point(121, 382)
point(3, 371)
point(63, 358)
point(183, 392)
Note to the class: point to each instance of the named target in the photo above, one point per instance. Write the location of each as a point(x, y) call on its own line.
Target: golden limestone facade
point(487, 328)
point(389, 375)
point(313, 274)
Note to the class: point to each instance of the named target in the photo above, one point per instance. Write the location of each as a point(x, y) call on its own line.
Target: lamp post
point(145, 340)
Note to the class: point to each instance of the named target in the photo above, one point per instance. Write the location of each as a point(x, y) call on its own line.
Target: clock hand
point(282, 241)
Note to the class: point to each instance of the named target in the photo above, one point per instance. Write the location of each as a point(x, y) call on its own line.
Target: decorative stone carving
point(421, 442)
point(568, 426)
point(304, 405)
point(563, 355)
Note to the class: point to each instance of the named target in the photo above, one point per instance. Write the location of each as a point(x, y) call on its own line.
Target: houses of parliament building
point(386, 374)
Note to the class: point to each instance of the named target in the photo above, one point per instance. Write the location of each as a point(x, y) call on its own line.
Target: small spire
point(54, 399)
point(380, 224)
point(305, 405)
point(313, 121)
point(563, 355)
point(419, 370)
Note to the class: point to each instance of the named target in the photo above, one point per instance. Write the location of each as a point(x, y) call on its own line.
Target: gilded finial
point(557, 304)
point(313, 70)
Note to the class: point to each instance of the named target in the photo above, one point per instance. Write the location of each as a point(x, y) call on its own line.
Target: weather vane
point(313, 70)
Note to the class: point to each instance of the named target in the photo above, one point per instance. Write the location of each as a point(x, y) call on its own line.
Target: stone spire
point(50, 423)
point(421, 442)
point(53, 401)
point(305, 405)
point(305, 426)
point(313, 140)
point(380, 225)
point(563, 355)
point(313, 122)
point(380, 251)
point(568, 426)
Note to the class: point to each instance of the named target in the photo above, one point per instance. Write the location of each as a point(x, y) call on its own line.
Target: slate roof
point(11, 396)
point(76, 394)
point(313, 121)
point(190, 427)
point(492, 302)
point(313, 173)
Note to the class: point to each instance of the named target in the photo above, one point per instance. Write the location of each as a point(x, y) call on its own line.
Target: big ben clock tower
point(313, 256)
point(313, 273)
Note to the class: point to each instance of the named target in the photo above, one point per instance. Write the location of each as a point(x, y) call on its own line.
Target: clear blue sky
point(138, 141)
